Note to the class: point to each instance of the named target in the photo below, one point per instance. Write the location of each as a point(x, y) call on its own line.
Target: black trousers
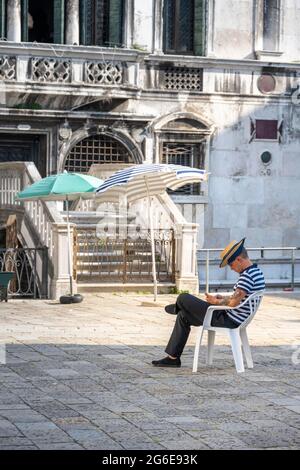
point(191, 312)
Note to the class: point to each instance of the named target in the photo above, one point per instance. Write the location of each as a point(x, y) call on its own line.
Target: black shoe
point(167, 362)
point(171, 309)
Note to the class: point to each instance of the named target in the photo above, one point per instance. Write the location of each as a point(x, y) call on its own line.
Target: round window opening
point(266, 158)
point(266, 83)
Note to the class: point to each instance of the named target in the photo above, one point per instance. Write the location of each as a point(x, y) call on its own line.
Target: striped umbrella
point(148, 180)
point(139, 181)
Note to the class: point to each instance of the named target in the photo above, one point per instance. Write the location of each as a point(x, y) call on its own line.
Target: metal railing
point(290, 258)
point(23, 263)
point(124, 260)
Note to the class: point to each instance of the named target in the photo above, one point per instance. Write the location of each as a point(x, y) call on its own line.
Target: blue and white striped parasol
point(131, 182)
point(147, 180)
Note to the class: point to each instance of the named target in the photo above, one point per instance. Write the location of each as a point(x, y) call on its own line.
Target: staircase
point(112, 261)
point(109, 250)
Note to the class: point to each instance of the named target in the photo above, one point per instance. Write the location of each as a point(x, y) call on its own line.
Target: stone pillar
point(72, 22)
point(143, 25)
point(128, 23)
point(158, 27)
point(60, 282)
point(14, 20)
point(186, 254)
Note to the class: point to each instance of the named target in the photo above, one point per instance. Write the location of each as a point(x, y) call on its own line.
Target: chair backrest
point(254, 301)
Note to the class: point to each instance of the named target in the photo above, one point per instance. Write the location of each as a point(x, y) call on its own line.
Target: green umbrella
point(61, 187)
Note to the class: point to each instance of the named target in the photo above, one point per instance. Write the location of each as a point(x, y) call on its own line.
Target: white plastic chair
point(238, 336)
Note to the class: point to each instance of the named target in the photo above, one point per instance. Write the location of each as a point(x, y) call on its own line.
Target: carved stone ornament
point(103, 73)
point(7, 68)
point(65, 132)
point(51, 70)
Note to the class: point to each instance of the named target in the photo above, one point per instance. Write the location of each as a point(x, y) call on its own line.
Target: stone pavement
point(80, 377)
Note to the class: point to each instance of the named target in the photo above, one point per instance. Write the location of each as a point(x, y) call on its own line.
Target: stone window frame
point(2, 19)
point(254, 126)
point(259, 29)
point(87, 131)
point(162, 132)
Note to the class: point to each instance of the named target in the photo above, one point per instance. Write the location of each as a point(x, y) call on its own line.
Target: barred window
point(187, 154)
point(96, 149)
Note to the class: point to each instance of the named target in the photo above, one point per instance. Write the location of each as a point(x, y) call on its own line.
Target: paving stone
point(85, 381)
point(7, 429)
point(59, 446)
point(22, 416)
point(54, 410)
point(62, 373)
point(45, 431)
point(15, 441)
point(190, 444)
point(134, 445)
point(102, 445)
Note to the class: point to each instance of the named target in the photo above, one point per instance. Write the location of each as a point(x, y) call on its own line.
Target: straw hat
point(231, 251)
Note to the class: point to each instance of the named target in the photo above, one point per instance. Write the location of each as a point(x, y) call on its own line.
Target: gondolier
point(191, 311)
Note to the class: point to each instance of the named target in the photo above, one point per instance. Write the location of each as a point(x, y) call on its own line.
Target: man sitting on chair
point(191, 311)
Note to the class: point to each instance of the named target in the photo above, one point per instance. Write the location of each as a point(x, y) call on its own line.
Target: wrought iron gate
point(23, 263)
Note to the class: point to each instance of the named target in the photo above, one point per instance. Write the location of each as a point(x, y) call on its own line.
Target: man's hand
point(231, 300)
point(213, 299)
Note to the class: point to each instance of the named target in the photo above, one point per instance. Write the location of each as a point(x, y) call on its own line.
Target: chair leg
point(236, 349)
point(197, 348)
point(210, 347)
point(246, 347)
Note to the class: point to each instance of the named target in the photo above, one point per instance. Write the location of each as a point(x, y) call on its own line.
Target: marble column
point(14, 20)
point(72, 22)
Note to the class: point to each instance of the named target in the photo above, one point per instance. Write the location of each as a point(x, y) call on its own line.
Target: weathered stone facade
point(148, 99)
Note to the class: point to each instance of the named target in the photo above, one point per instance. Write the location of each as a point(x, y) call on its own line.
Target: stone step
point(100, 255)
point(98, 270)
point(147, 287)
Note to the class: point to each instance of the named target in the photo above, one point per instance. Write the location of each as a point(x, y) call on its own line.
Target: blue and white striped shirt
point(251, 280)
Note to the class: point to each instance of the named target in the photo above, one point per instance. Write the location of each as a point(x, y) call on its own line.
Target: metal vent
point(183, 78)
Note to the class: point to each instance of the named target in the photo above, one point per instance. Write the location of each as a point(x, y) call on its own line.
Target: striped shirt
point(251, 280)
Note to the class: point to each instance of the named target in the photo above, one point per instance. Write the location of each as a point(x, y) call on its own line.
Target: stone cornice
point(212, 62)
point(65, 51)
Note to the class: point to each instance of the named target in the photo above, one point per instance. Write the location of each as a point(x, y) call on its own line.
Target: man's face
point(235, 265)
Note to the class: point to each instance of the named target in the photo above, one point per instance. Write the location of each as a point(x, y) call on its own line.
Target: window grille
point(188, 155)
point(182, 78)
point(96, 149)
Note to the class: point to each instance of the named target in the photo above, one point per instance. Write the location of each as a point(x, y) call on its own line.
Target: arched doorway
point(96, 149)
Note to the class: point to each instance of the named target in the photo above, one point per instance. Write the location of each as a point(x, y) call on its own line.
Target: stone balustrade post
point(186, 263)
point(60, 284)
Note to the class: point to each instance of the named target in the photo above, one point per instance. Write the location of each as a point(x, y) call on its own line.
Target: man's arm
point(230, 300)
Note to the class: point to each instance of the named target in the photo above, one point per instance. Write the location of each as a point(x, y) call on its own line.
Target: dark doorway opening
point(41, 21)
point(24, 148)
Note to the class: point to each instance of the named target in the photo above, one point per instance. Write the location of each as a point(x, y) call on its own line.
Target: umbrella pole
point(152, 241)
point(69, 248)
